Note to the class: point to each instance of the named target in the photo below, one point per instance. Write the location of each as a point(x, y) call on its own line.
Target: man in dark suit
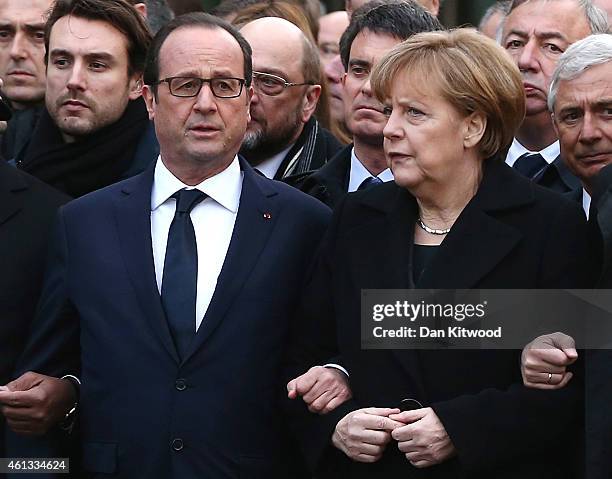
point(94, 129)
point(27, 210)
point(535, 33)
point(374, 30)
point(581, 93)
point(158, 297)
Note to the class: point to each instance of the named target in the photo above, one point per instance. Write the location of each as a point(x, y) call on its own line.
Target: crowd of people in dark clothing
point(192, 205)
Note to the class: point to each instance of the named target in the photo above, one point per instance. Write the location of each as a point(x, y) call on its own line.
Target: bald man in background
point(283, 138)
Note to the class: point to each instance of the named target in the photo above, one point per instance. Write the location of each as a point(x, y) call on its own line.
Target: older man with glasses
point(284, 140)
point(169, 295)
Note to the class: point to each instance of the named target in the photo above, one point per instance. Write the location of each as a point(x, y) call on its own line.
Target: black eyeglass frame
point(168, 80)
point(285, 83)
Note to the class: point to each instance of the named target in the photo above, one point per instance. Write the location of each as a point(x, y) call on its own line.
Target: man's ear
point(249, 95)
point(141, 8)
point(309, 103)
point(135, 86)
point(149, 98)
point(435, 7)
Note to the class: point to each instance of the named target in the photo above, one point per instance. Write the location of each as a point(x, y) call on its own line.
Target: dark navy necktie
point(179, 283)
point(369, 182)
point(530, 165)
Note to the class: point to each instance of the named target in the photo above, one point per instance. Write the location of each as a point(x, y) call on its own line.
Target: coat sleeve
point(313, 341)
point(53, 344)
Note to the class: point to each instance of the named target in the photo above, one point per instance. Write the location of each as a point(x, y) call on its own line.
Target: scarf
point(91, 162)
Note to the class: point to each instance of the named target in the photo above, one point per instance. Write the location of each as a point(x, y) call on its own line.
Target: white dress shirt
point(213, 221)
point(270, 166)
point(586, 202)
point(359, 173)
point(550, 153)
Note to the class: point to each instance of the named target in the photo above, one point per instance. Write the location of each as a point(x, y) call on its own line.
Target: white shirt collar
point(224, 187)
point(586, 202)
point(550, 153)
point(270, 166)
point(359, 173)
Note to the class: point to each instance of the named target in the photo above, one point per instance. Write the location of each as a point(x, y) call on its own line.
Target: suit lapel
point(476, 244)
point(558, 177)
point(10, 185)
point(390, 236)
point(256, 218)
point(133, 214)
point(478, 240)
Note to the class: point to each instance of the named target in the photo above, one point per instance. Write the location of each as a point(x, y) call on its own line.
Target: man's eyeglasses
point(272, 85)
point(188, 87)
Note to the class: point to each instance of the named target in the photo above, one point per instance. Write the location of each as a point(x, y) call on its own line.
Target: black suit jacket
point(557, 177)
point(330, 183)
point(27, 210)
point(599, 362)
point(513, 234)
point(145, 413)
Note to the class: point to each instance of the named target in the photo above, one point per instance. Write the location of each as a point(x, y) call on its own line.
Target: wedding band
point(549, 378)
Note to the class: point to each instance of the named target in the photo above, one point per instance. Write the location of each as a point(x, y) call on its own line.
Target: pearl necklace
point(432, 231)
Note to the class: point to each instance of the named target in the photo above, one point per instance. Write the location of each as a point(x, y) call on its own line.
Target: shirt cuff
point(338, 367)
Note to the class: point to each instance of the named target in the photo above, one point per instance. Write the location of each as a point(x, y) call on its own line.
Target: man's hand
point(422, 437)
point(322, 389)
point(363, 434)
point(545, 359)
point(33, 403)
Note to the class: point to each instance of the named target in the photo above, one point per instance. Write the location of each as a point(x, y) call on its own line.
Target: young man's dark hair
point(400, 19)
point(195, 19)
point(118, 13)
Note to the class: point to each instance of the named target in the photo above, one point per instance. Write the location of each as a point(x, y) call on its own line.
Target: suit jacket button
point(177, 444)
point(180, 385)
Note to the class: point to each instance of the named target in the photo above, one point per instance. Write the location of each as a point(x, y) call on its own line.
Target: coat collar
point(478, 241)
point(497, 177)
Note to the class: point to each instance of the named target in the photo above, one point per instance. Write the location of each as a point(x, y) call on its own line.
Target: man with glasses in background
point(283, 139)
point(158, 297)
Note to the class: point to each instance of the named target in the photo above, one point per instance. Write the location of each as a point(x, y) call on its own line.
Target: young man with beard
point(284, 140)
point(94, 130)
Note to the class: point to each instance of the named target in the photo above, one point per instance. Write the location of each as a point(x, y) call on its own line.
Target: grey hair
point(580, 56)
point(500, 6)
point(595, 16)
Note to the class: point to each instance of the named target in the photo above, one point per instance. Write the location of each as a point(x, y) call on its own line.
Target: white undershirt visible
point(359, 173)
point(270, 166)
point(550, 153)
point(213, 221)
point(586, 202)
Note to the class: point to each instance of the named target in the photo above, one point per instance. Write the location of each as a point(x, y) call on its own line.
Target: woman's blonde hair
point(472, 73)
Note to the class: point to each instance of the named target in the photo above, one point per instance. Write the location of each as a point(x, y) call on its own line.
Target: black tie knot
point(186, 200)
point(530, 165)
point(369, 182)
